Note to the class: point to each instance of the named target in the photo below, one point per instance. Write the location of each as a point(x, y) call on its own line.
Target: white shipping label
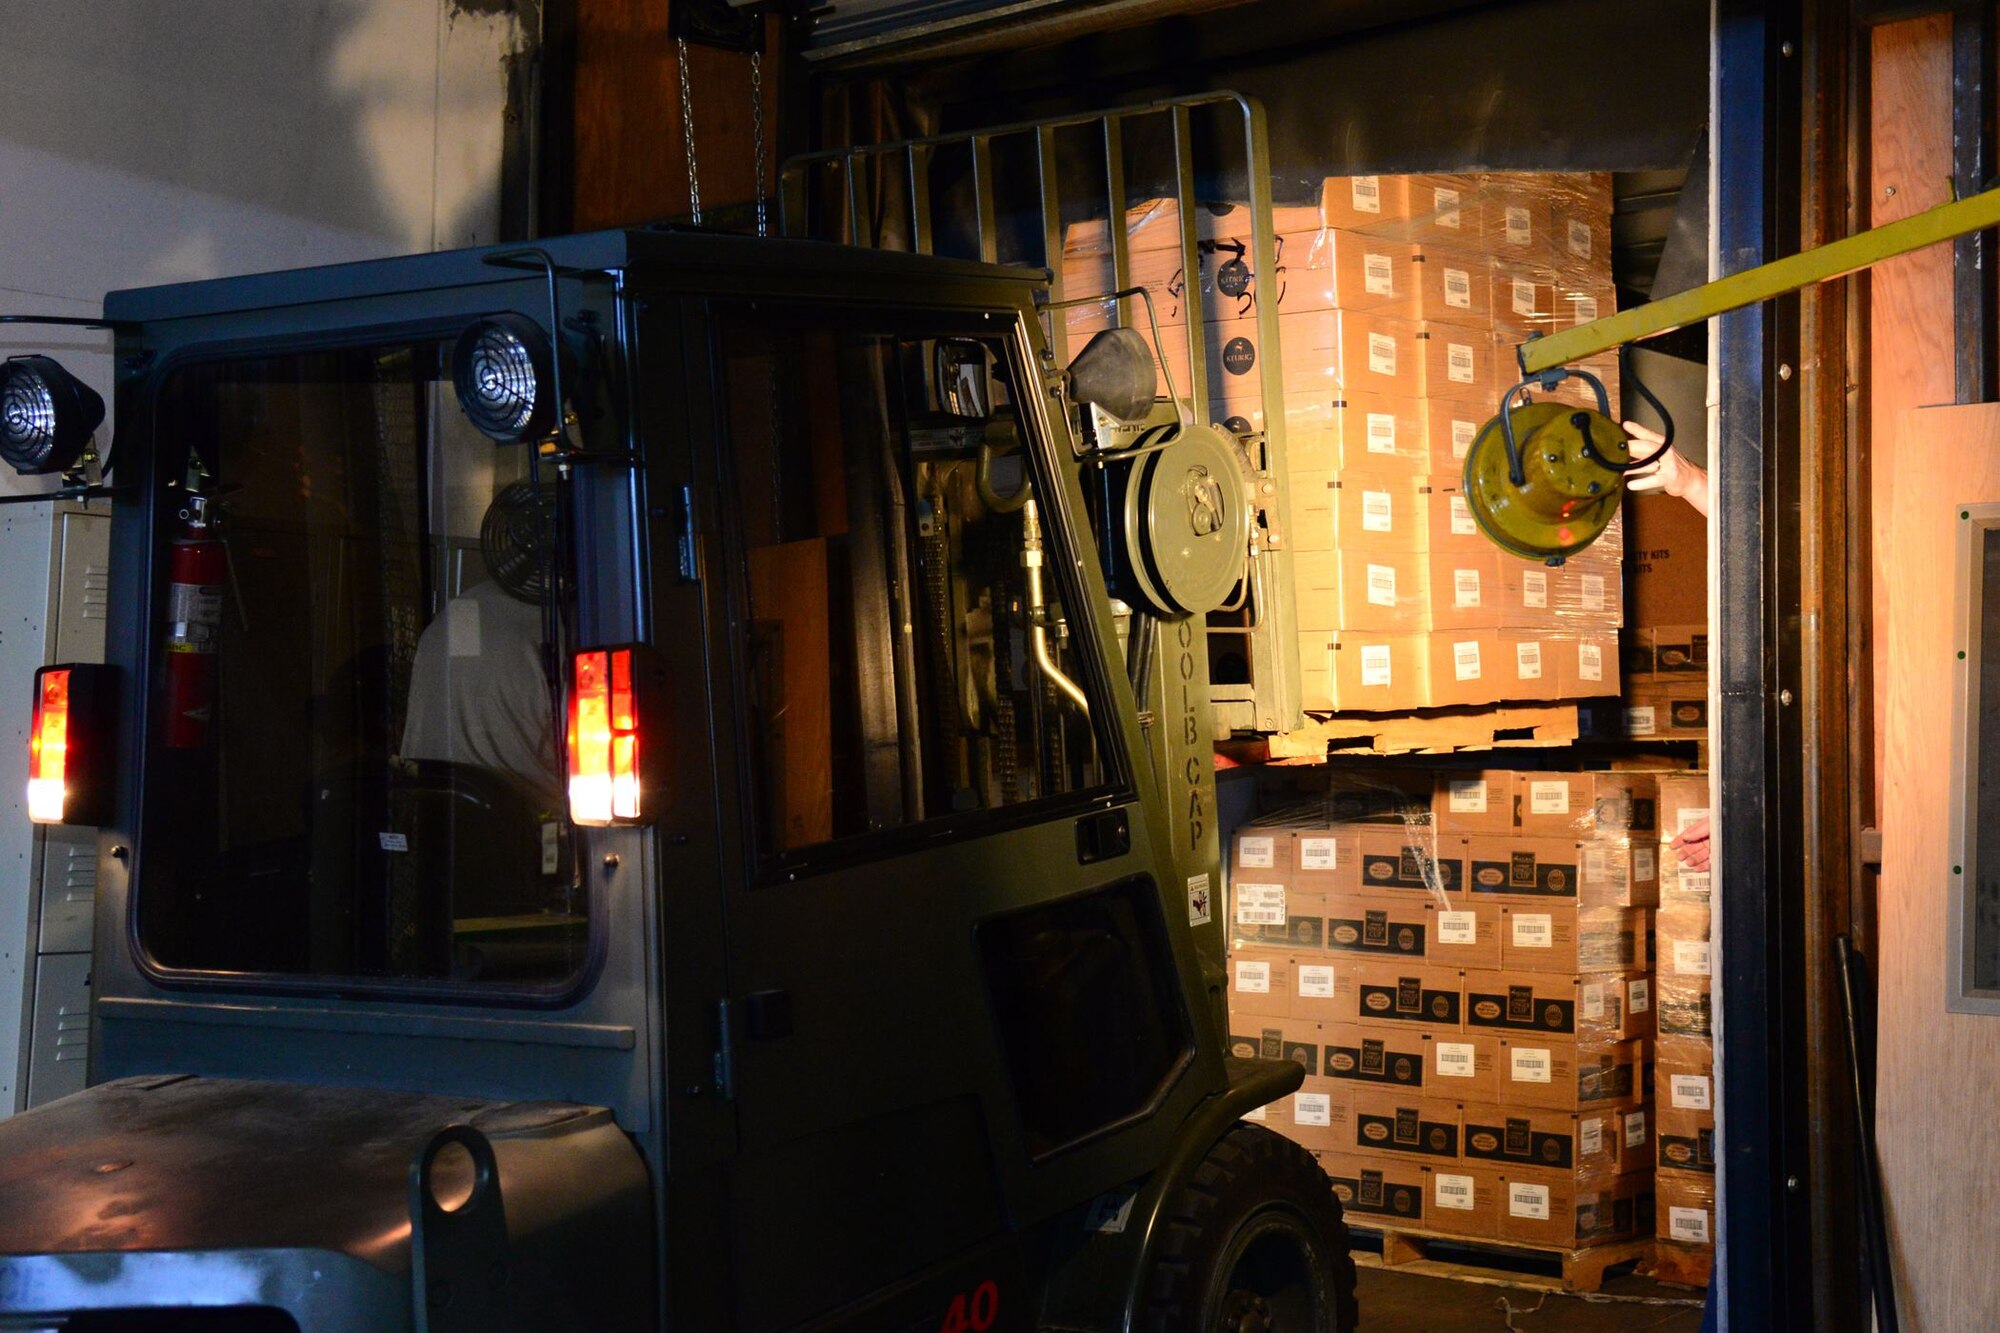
point(1463, 433)
point(1695, 882)
point(1640, 721)
point(1378, 513)
point(1377, 276)
point(1548, 798)
point(1381, 354)
point(1375, 664)
point(1590, 1136)
point(1525, 1200)
point(1586, 308)
point(1520, 226)
point(1312, 1108)
point(1260, 904)
point(1590, 661)
point(1643, 866)
point(1257, 852)
point(1596, 864)
point(1593, 1000)
point(1454, 1191)
point(1458, 928)
point(1689, 1092)
point(1635, 1129)
point(1688, 1224)
point(1691, 958)
point(1255, 1113)
point(1462, 524)
point(393, 842)
point(1445, 205)
point(1528, 659)
point(1315, 981)
point(1381, 433)
point(1524, 296)
point(1381, 585)
point(1465, 660)
point(1458, 362)
point(1454, 1059)
point(1458, 289)
point(1465, 587)
point(1533, 930)
point(1639, 996)
point(1467, 796)
point(1530, 1064)
point(1253, 978)
point(1689, 817)
point(1535, 587)
point(1593, 592)
point(1318, 854)
point(1367, 193)
point(1579, 238)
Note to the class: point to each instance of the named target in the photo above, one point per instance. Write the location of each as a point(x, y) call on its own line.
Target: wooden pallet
point(1684, 1265)
point(1444, 731)
point(1579, 1270)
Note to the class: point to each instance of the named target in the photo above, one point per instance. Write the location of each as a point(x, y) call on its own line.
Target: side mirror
point(1115, 371)
point(959, 367)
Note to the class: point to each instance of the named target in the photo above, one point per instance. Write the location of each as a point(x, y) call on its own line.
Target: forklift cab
point(627, 801)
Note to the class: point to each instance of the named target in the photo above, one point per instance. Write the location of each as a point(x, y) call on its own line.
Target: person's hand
point(1690, 845)
point(1672, 474)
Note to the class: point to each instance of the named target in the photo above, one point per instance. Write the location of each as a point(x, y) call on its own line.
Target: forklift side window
point(359, 778)
point(908, 653)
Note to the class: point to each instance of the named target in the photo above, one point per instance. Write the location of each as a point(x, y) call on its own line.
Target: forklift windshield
point(356, 769)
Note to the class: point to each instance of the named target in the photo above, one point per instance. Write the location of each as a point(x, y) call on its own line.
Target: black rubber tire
point(1260, 1210)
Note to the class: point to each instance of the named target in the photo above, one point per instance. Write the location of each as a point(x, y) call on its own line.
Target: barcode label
point(1689, 818)
point(1586, 309)
point(1590, 661)
point(1454, 1192)
point(1593, 1000)
point(1519, 226)
point(1465, 587)
point(1528, 659)
point(1535, 587)
point(1590, 1136)
point(1462, 524)
point(1381, 433)
point(1643, 867)
point(1317, 854)
point(1381, 354)
point(1465, 660)
point(1530, 1065)
point(1458, 288)
point(1691, 958)
point(1382, 585)
point(1548, 798)
point(1256, 852)
point(1458, 362)
point(1523, 296)
point(1454, 1059)
point(1467, 796)
point(1253, 978)
point(1640, 721)
point(1635, 1129)
point(1525, 1200)
point(1579, 238)
point(1463, 433)
point(1458, 928)
point(1639, 996)
point(1596, 864)
point(1367, 194)
point(1315, 981)
point(1260, 904)
point(1533, 930)
point(1375, 664)
point(1312, 1108)
point(1377, 512)
point(1689, 1092)
point(1688, 1224)
point(1376, 275)
point(1695, 882)
point(1593, 592)
point(1444, 203)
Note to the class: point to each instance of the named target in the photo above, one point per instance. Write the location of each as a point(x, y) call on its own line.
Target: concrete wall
point(150, 141)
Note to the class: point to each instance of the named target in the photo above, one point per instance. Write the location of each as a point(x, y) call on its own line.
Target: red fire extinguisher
point(196, 568)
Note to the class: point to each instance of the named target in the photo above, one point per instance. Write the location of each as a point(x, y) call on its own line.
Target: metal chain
point(687, 130)
point(757, 139)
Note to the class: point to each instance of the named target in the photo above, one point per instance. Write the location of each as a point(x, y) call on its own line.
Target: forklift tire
point(1253, 1243)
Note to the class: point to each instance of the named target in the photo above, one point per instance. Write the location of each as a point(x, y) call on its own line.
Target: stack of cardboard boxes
point(1684, 1062)
point(1400, 301)
point(1665, 644)
point(1468, 988)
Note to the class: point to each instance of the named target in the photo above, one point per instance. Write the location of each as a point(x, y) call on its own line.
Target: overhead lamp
point(47, 415)
point(504, 370)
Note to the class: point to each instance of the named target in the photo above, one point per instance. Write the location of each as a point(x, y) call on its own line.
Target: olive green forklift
point(655, 781)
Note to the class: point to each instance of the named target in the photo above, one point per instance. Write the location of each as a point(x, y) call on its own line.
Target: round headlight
point(47, 415)
point(502, 369)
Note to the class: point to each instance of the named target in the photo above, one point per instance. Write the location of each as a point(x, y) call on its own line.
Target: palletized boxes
point(1684, 1068)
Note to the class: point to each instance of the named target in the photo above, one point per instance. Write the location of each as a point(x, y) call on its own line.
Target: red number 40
point(974, 1313)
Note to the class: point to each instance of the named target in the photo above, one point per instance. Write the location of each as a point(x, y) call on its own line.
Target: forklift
point(657, 780)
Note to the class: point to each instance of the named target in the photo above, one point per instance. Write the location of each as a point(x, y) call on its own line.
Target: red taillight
point(604, 783)
point(48, 746)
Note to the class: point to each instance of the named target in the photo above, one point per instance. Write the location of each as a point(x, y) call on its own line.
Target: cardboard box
point(1377, 1191)
point(1677, 651)
point(1364, 201)
point(1261, 909)
point(1516, 867)
point(1603, 1007)
point(1385, 994)
point(1358, 1056)
point(1666, 561)
point(1465, 592)
point(1360, 511)
point(1685, 948)
point(1409, 861)
point(1394, 1122)
point(1686, 1140)
point(1467, 668)
point(1326, 352)
point(1686, 1085)
point(1358, 671)
point(1619, 871)
point(1451, 526)
point(1397, 928)
point(1474, 802)
point(1338, 267)
point(1343, 431)
point(1384, 592)
point(1325, 858)
point(1524, 302)
point(1575, 805)
point(1262, 848)
point(1518, 207)
point(1464, 1066)
point(1452, 287)
point(1262, 1037)
point(1570, 1073)
point(1444, 210)
point(1457, 362)
point(1586, 663)
point(1667, 712)
point(1260, 983)
point(1684, 1004)
point(1322, 989)
point(1451, 423)
point(1546, 1208)
point(1562, 936)
point(1321, 1115)
point(1686, 1206)
point(1684, 800)
point(1465, 933)
point(1604, 1143)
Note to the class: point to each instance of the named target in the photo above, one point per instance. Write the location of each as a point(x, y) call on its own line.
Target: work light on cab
point(69, 745)
point(47, 415)
point(609, 757)
point(504, 371)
